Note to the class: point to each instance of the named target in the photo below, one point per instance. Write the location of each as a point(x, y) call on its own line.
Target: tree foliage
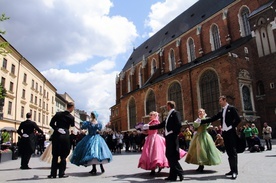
point(3, 45)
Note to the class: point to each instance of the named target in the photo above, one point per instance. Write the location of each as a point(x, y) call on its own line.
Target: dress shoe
point(234, 176)
point(51, 176)
point(25, 168)
point(181, 177)
point(159, 170)
point(63, 176)
point(152, 172)
point(93, 171)
point(229, 173)
point(170, 179)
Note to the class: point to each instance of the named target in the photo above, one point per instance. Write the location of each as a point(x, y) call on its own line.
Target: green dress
point(202, 150)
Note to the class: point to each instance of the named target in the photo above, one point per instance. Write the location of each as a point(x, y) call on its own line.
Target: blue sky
point(80, 46)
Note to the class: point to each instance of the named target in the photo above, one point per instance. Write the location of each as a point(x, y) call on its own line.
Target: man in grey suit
point(229, 119)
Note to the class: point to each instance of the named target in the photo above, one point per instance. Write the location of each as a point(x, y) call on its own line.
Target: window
point(33, 83)
point(3, 82)
point(215, 38)
point(23, 93)
point(260, 88)
point(34, 115)
point(36, 86)
point(175, 94)
point(13, 69)
point(10, 108)
point(39, 115)
point(11, 87)
point(191, 50)
point(150, 102)
point(5, 62)
point(22, 112)
point(244, 23)
point(32, 98)
point(39, 102)
point(172, 60)
point(35, 100)
point(40, 89)
point(246, 97)
point(209, 92)
point(132, 113)
point(25, 78)
point(129, 83)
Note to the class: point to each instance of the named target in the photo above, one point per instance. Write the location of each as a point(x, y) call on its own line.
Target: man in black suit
point(172, 126)
point(61, 123)
point(230, 119)
point(27, 142)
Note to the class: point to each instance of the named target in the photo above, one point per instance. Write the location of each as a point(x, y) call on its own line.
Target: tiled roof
point(193, 16)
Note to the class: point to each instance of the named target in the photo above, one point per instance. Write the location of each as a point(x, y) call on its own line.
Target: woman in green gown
point(202, 149)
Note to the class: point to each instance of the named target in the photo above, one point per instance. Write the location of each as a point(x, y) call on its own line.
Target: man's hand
point(62, 131)
point(25, 135)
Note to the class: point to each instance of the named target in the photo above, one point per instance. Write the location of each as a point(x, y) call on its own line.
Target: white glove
point(145, 127)
point(198, 120)
point(61, 130)
point(25, 135)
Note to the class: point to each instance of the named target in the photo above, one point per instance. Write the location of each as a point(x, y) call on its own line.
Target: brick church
point(213, 48)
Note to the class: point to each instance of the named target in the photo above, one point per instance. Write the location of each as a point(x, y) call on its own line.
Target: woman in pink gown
point(153, 154)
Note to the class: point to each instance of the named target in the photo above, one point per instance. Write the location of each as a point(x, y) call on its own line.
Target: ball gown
point(92, 149)
point(202, 149)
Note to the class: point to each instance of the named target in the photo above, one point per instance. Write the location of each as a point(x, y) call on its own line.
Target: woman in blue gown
point(92, 149)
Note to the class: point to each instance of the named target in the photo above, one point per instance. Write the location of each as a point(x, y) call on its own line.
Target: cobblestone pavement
point(253, 167)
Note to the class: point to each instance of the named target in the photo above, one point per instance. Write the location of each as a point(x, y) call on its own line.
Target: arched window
point(246, 97)
point(172, 60)
point(132, 113)
point(150, 102)
point(215, 39)
point(175, 94)
point(260, 88)
point(153, 66)
point(209, 92)
point(191, 50)
point(244, 23)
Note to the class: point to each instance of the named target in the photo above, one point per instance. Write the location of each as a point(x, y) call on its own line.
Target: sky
point(81, 46)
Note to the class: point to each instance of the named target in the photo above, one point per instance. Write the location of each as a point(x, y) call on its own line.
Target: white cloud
point(164, 12)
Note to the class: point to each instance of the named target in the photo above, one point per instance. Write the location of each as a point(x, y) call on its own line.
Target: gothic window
point(191, 50)
point(244, 23)
point(150, 102)
point(260, 88)
point(175, 94)
point(172, 60)
point(132, 113)
point(246, 97)
point(215, 39)
point(209, 92)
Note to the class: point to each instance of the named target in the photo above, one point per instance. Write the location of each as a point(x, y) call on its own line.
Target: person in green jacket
point(255, 130)
point(248, 135)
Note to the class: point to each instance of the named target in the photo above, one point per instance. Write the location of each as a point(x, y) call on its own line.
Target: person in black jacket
point(27, 142)
point(172, 126)
point(61, 123)
point(229, 119)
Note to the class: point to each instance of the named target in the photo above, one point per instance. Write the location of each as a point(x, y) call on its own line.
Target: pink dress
point(153, 153)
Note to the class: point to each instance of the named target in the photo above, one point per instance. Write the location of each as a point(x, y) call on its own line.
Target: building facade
point(27, 91)
point(213, 48)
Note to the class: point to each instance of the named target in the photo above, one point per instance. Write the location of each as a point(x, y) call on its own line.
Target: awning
point(9, 129)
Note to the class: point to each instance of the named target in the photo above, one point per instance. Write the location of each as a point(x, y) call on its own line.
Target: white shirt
point(224, 126)
point(166, 131)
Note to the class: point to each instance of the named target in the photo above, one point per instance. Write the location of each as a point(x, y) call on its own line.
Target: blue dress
point(92, 149)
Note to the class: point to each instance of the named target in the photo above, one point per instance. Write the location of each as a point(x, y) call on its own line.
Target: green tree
point(3, 45)
point(3, 51)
